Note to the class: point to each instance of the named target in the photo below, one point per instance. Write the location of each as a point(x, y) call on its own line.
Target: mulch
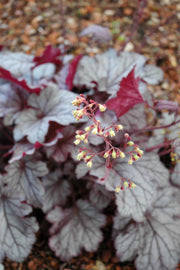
point(29, 26)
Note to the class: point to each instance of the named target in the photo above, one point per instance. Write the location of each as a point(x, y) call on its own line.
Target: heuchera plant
point(120, 147)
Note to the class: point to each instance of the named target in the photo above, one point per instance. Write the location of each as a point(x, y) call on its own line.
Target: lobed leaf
point(17, 233)
point(51, 105)
point(12, 101)
point(22, 149)
point(99, 196)
point(75, 228)
point(106, 70)
point(6, 75)
point(57, 189)
point(50, 55)
point(127, 96)
point(60, 77)
point(64, 146)
point(155, 241)
point(146, 173)
point(98, 33)
point(23, 176)
point(152, 74)
point(17, 63)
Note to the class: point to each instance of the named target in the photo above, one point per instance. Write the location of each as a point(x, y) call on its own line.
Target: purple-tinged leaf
point(175, 176)
point(12, 102)
point(130, 238)
point(99, 196)
point(51, 105)
point(46, 71)
point(75, 228)
point(119, 223)
point(146, 173)
point(173, 132)
point(68, 169)
point(107, 70)
point(22, 149)
point(17, 233)
point(23, 176)
point(98, 33)
point(169, 105)
point(57, 189)
point(159, 136)
point(72, 71)
point(50, 55)
point(81, 170)
point(162, 234)
point(17, 63)
point(134, 119)
point(127, 96)
point(60, 77)
point(66, 58)
point(64, 146)
point(6, 75)
point(155, 241)
point(19, 150)
point(152, 74)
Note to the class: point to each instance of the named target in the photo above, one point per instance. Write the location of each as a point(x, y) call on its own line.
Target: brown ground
point(29, 25)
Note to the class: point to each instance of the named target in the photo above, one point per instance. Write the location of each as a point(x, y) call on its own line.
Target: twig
point(154, 30)
point(138, 14)
point(63, 28)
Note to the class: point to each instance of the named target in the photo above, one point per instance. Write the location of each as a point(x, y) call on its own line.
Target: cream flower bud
point(139, 151)
point(133, 185)
point(122, 155)
point(89, 164)
point(76, 102)
point(112, 133)
point(94, 131)
point(136, 157)
point(114, 154)
point(106, 154)
point(74, 113)
point(88, 128)
point(126, 184)
point(76, 142)
point(130, 143)
point(102, 108)
point(130, 162)
point(78, 114)
point(120, 127)
point(82, 137)
point(117, 190)
point(80, 156)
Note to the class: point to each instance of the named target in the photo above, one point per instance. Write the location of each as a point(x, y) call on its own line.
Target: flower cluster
point(110, 153)
point(126, 184)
